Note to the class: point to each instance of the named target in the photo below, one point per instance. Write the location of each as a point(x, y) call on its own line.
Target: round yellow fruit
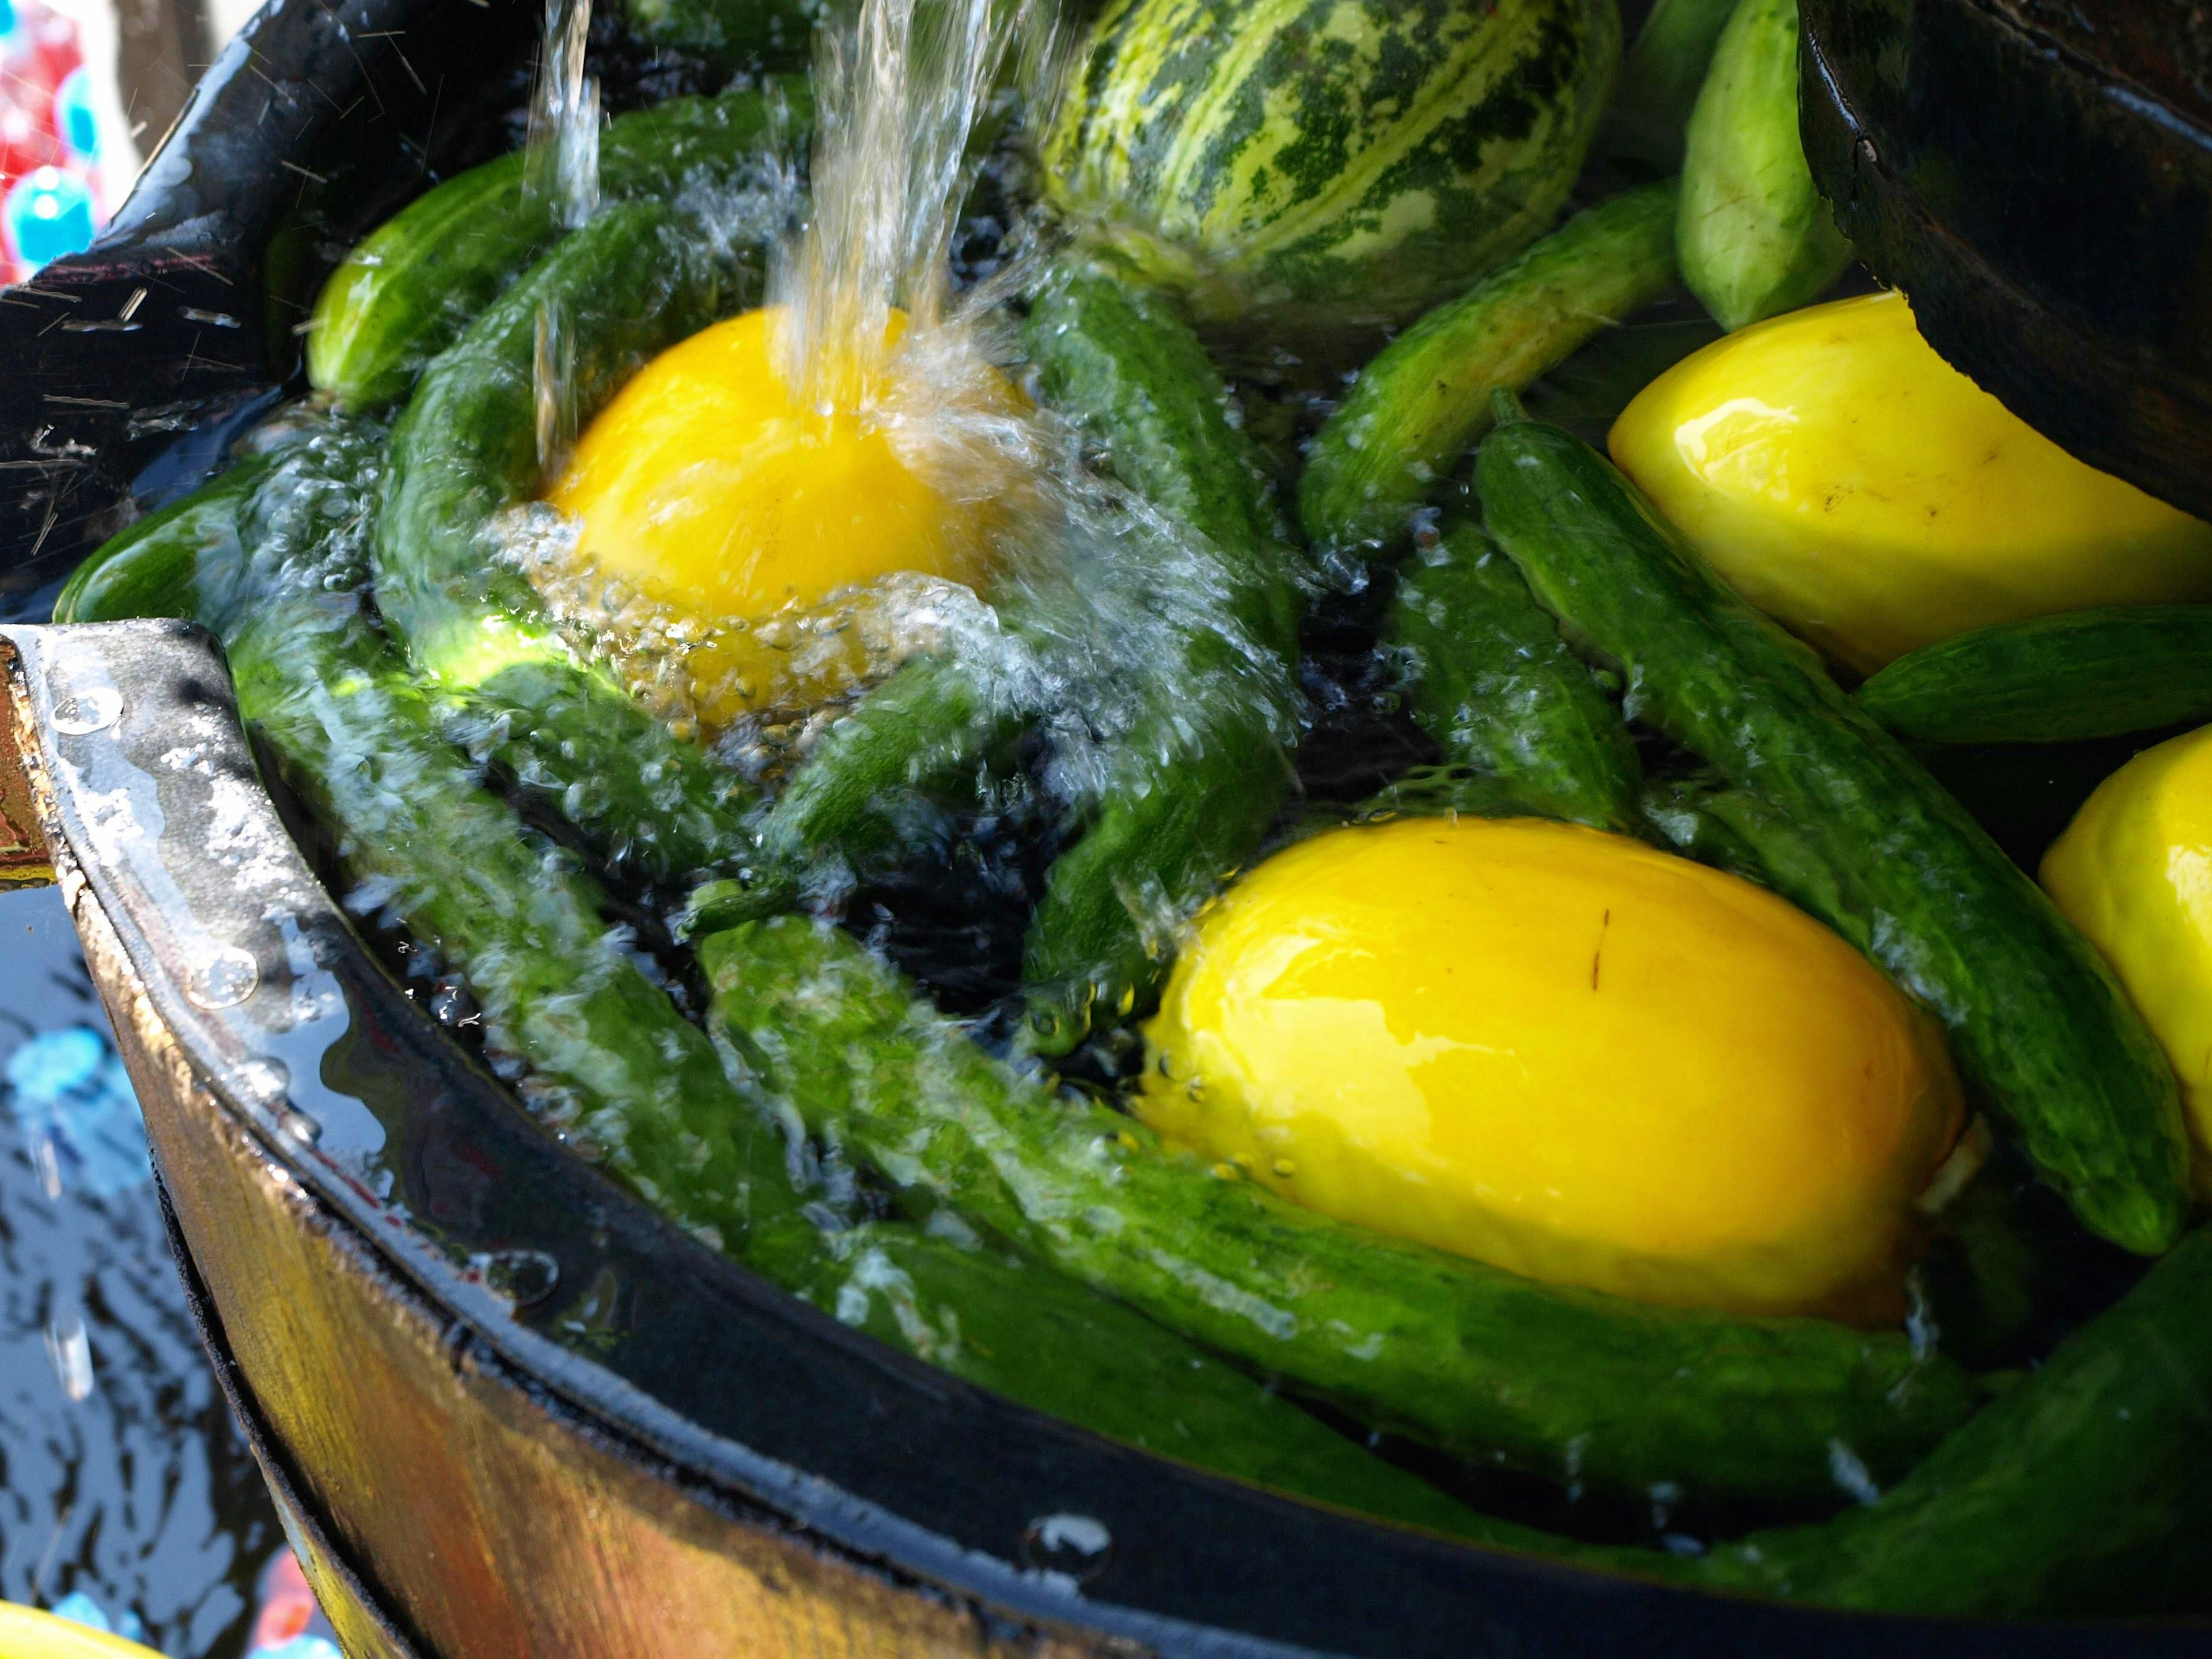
point(1860, 490)
point(1564, 1053)
point(2134, 873)
point(710, 490)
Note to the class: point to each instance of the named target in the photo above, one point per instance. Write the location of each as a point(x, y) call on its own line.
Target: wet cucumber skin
point(1562, 1384)
point(2038, 1023)
point(1426, 396)
point(2057, 679)
point(421, 277)
point(1202, 772)
point(1485, 673)
point(162, 565)
point(636, 280)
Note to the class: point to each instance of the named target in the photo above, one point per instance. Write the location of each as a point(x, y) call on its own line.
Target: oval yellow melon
point(1564, 1053)
point(707, 488)
point(2134, 873)
point(1870, 498)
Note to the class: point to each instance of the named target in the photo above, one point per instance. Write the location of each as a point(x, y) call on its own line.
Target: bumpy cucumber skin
point(1563, 1384)
point(1754, 237)
point(2037, 1021)
point(1308, 153)
point(1660, 79)
point(1201, 772)
point(162, 565)
point(2085, 1489)
point(2057, 679)
point(418, 279)
point(632, 283)
point(1425, 397)
point(1485, 673)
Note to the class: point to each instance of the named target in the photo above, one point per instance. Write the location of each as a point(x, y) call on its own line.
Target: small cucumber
point(1485, 674)
point(1564, 1384)
point(418, 280)
point(162, 565)
point(1425, 397)
point(1660, 79)
point(2057, 679)
point(2036, 1018)
point(637, 279)
point(1200, 771)
point(1754, 237)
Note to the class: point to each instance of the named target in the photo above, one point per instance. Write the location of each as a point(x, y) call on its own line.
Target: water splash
point(562, 165)
point(899, 97)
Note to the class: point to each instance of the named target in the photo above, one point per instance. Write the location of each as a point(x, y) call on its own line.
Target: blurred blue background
point(125, 1492)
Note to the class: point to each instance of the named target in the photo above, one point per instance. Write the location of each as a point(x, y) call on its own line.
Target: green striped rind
point(1339, 153)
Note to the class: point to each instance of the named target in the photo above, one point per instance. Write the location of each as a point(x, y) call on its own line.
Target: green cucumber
point(1754, 236)
point(1660, 79)
point(1199, 773)
point(2038, 1023)
point(1746, 834)
point(620, 1072)
point(2055, 679)
point(635, 281)
point(161, 565)
point(1330, 156)
point(1425, 397)
point(1484, 672)
point(2085, 1489)
point(1562, 1384)
point(419, 278)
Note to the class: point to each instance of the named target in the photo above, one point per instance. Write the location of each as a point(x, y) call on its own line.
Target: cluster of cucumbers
point(422, 704)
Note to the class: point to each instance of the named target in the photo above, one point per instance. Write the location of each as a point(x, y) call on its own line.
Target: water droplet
point(1285, 1168)
point(523, 1277)
point(1076, 1545)
point(78, 713)
point(263, 1081)
point(298, 1124)
point(223, 977)
point(70, 1352)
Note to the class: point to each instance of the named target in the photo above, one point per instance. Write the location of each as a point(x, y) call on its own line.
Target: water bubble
point(521, 1276)
point(80, 712)
point(220, 976)
point(1078, 1545)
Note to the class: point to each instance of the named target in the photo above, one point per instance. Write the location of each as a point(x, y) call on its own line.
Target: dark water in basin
point(140, 1494)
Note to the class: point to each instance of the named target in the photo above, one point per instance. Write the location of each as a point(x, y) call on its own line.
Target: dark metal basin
point(2037, 175)
point(509, 1410)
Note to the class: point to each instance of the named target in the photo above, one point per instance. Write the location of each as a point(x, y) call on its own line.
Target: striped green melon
point(1366, 157)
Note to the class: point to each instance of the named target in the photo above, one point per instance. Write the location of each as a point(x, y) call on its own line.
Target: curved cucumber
point(418, 279)
point(1425, 397)
point(636, 280)
point(1754, 237)
point(2056, 679)
point(1562, 1384)
point(163, 565)
point(1485, 675)
point(1199, 773)
point(2085, 1489)
point(2036, 1019)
